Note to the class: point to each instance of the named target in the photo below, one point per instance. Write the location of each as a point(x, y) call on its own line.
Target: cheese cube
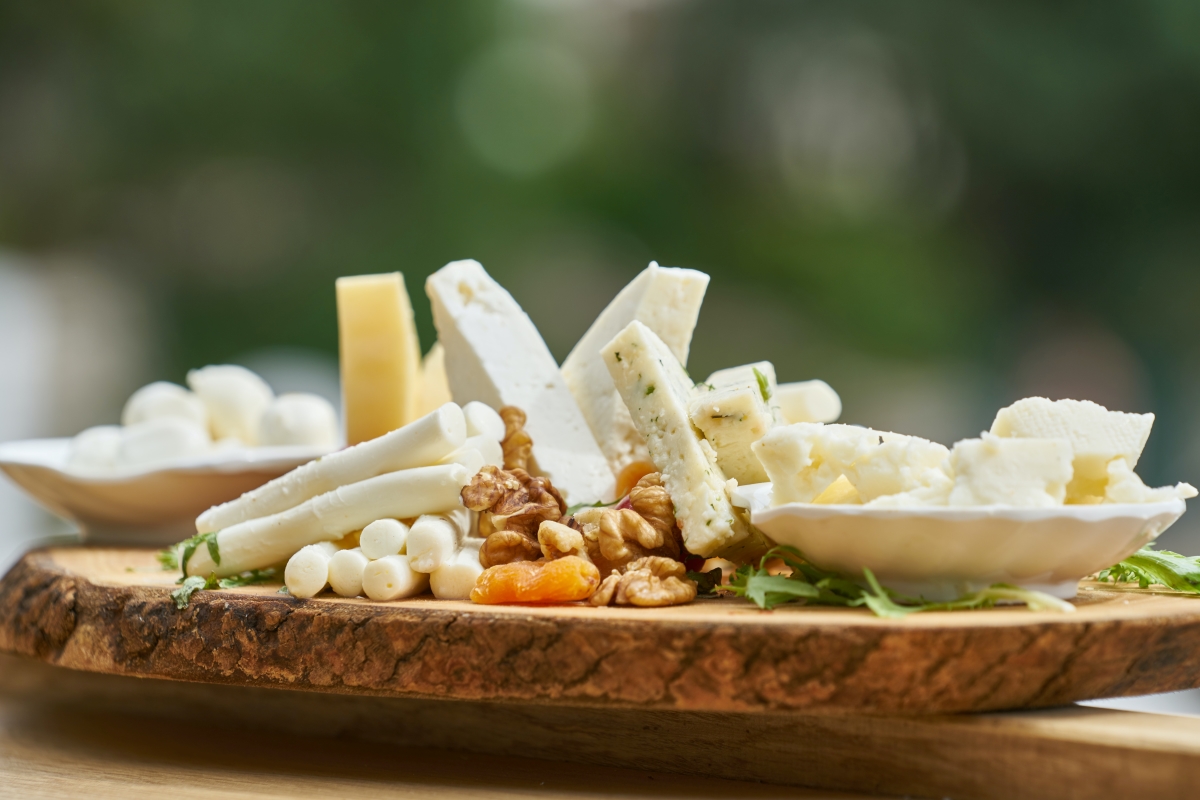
point(808, 401)
point(734, 409)
point(1097, 435)
point(1014, 472)
point(380, 355)
point(495, 355)
point(667, 301)
point(656, 390)
point(1124, 486)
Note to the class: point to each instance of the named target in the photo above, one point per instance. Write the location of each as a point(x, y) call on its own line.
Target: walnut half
point(647, 582)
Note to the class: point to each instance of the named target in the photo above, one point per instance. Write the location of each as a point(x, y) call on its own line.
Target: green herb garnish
point(169, 558)
point(248, 578)
point(1162, 567)
point(183, 595)
point(815, 586)
point(764, 388)
point(706, 582)
point(188, 547)
point(598, 504)
point(650, 390)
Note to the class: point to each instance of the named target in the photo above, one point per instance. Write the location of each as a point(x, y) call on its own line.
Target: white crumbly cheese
point(495, 355)
point(656, 389)
point(808, 401)
point(1097, 435)
point(1124, 486)
point(667, 301)
point(734, 408)
point(903, 465)
point(1011, 472)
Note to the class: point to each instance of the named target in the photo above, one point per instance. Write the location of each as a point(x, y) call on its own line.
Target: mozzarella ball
point(95, 449)
point(235, 398)
point(299, 419)
point(163, 399)
point(156, 441)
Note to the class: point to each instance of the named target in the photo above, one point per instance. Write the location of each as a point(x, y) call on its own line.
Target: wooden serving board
point(108, 610)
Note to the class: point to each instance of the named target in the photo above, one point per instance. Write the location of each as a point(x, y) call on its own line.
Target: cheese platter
point(611, 531)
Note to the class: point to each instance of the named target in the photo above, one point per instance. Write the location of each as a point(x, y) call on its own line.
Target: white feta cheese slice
point(656, 389)
point(808, 401)
point(1124, 486)
point(1097, 435)
point(495, 355)
point(667, 301)
point(803, 460)
point(1012, 472)
point(734, 408)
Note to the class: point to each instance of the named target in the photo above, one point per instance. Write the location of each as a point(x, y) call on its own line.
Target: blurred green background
point(937, 207)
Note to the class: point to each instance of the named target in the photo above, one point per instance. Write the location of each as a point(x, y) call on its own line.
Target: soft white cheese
point(235, 398)
point(163, 399)
point(1097, 436)
point(1124, 486)
point(1012, 472)
point(734, 408)
point(808, 401)
point(300, 418)
point(806, 458)
point(157, 441)
point(656, 390)
point(667, 301)
point(495, 355)
point(95, 449)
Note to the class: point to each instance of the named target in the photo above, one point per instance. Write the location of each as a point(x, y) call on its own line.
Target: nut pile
point(533, 554)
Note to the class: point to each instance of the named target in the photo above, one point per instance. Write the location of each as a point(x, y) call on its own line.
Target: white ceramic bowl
point(143, 506)
point(943, 553)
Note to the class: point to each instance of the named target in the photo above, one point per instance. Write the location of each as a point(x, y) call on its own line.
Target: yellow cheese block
point(435, 387)
point(380, 355)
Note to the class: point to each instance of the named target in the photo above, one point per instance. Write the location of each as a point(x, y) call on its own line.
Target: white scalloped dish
point(941, 553)
point(145, 506)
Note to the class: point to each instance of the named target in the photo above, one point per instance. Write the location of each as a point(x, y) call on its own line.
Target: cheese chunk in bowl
point(1036, 503)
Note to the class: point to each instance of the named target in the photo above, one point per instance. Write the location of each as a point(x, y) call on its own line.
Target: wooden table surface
point(60, 739)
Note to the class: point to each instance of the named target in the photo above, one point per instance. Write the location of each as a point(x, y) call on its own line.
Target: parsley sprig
point(814, 586)
point(1149, 567)
point(189, 586)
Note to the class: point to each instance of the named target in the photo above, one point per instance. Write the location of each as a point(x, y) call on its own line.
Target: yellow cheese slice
point(380, 355)
point(839, 493)
point(435, 388)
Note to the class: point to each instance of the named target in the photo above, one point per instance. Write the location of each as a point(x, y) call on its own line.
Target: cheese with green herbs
point(735, 408)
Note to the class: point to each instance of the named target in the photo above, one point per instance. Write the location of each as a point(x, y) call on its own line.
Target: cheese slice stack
point(494, 354)
point(380, 355)
point(667, 301)
point(656, 390)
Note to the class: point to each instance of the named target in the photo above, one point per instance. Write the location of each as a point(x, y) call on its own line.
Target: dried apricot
point(631, 474)
point(563, 580)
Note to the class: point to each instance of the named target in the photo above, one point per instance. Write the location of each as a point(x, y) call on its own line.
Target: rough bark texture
point(718, 658)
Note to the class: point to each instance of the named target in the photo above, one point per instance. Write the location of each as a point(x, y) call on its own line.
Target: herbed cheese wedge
point(1012, 472)
point(379, 353)
point(735, 408)
point(494, 354)
point(1097, 436)
point(656, 389)
point(426, 441)
point(666, 300)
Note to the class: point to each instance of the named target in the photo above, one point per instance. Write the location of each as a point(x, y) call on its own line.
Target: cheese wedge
point(495, 355)
point(1014, 472)
point(1097, 436)
point(435, 389)
point(667, 301)
point(380, 355)
point(808, 401)
point(735, 408)
point(656, 390)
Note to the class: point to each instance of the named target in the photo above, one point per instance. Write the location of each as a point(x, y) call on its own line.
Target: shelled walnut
point(646, 582)
point(517, 444)
point(616, 536)
point(511, 504)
